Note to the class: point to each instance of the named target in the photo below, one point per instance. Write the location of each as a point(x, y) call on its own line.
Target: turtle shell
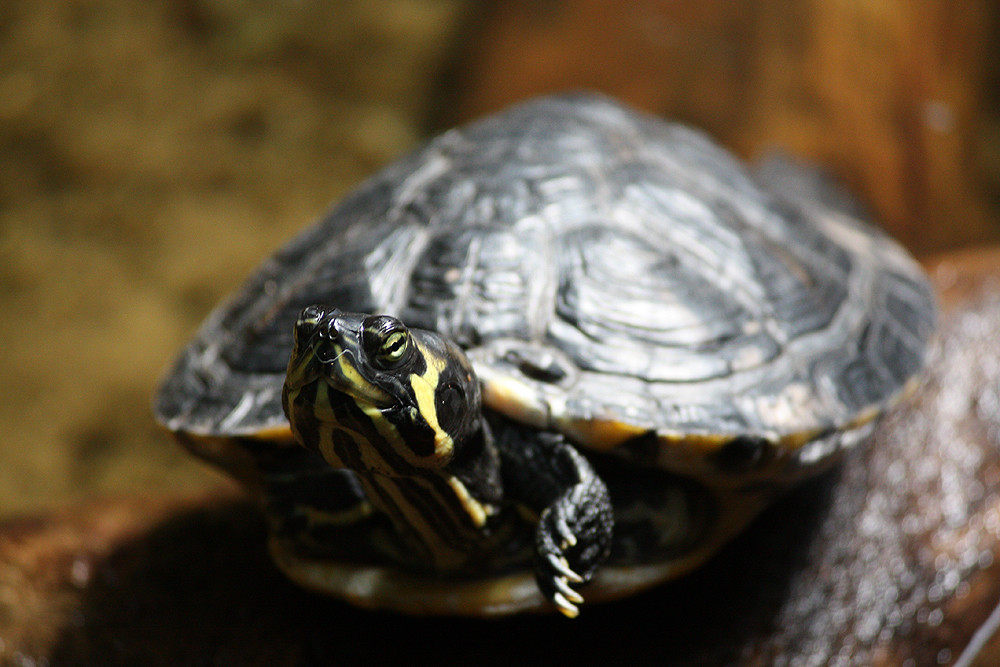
point(611, 275)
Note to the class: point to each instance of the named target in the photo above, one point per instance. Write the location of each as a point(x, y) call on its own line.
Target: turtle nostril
point(310, 320)
point(329, 328)
point(314, 312)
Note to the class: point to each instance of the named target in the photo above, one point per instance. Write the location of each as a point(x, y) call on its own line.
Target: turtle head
point(373, 395)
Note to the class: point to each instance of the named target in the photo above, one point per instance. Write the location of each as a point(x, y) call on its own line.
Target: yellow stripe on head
point(425, 391)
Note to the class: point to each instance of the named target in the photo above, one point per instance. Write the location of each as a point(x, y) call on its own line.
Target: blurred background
point(152, 153)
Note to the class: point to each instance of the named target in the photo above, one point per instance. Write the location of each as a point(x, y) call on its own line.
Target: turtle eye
point(394, 348)
point(386, 340)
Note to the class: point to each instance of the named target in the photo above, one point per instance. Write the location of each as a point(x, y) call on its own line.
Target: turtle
point(568, 349)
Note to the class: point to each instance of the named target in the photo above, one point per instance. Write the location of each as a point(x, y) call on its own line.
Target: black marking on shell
point(743, 454)
point(642, 449)
point(548, 370)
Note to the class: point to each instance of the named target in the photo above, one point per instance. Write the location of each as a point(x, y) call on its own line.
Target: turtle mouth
point(336, 398)
point(346, 385)
point(337, 369)
point(304, 368)
point(329, 354)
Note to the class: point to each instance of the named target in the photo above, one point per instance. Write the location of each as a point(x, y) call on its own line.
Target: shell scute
point(680, 292)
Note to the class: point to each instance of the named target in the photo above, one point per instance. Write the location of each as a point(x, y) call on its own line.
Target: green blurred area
point(151, 153)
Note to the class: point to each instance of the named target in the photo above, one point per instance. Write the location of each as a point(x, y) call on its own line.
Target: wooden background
point(899, 99)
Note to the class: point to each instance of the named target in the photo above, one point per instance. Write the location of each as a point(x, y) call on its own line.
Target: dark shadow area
point(200, 590)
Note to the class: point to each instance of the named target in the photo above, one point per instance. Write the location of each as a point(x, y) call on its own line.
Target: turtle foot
point(572, 539)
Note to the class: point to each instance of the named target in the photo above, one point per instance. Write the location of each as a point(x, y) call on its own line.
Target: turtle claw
point(556, 577)
point(567, 593)
point(573, 538)
point(566, 533)
point(568, 609)
point(558, 582)
point(545, 473)
point(561, 565)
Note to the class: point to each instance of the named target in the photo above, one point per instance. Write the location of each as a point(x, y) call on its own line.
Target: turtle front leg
point(546, 474)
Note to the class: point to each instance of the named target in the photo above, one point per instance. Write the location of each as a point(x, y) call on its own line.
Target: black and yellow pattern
point(401, 409)
point(582, 286)
point(373, 398)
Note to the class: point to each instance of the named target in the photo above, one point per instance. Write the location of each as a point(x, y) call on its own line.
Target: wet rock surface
point(891, 559)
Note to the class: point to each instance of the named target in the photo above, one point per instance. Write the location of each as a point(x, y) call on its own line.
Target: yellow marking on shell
point(514, 399)
point(424, 389)
point(489, 596)
point(799, 439)
point(602, 434)
point(702, 441)
point(275, 433)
